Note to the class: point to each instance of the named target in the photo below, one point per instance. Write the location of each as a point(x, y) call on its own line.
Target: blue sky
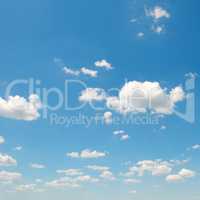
point(147, 47)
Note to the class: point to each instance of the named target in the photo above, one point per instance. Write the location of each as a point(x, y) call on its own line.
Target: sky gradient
point(114, 52)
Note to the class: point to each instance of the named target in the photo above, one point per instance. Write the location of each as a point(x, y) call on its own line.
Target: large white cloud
point(6, 160)
point(140, 97)
point(137, 97)
point(16, 107)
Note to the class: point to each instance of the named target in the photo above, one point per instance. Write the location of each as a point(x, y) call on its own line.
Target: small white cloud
point(108, 117)
point(2, 140)
point(18, 148)
point(132, 181)
point(71, 72)
point(73, 155)
point(196, 147)
point(19, 108)
point(108, 175)
point(103, 64)
point(98, 168)
point(92, 94)
point(186, 173)
point(163, 127)
point(140, 34)
point(70, 172)
point(82, 70)
point(37, 166)
point(158, 29)
point(6, 160)
point(122, 135)
point(89, 72)
point(157, 13)
point(87, 154)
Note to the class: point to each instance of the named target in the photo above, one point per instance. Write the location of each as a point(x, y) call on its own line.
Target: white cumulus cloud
point(16, 107)
point(140, 97)
point(103, 64)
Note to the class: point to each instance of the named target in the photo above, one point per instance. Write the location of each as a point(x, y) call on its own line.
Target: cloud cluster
point(87, 154)
point(72, 182)
point(16, 107)
point(82, 70)
point(157, 14)
point(104, 171)
point(6, 160)
point(181, 176)
point(155, 167)
point(138, 97)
